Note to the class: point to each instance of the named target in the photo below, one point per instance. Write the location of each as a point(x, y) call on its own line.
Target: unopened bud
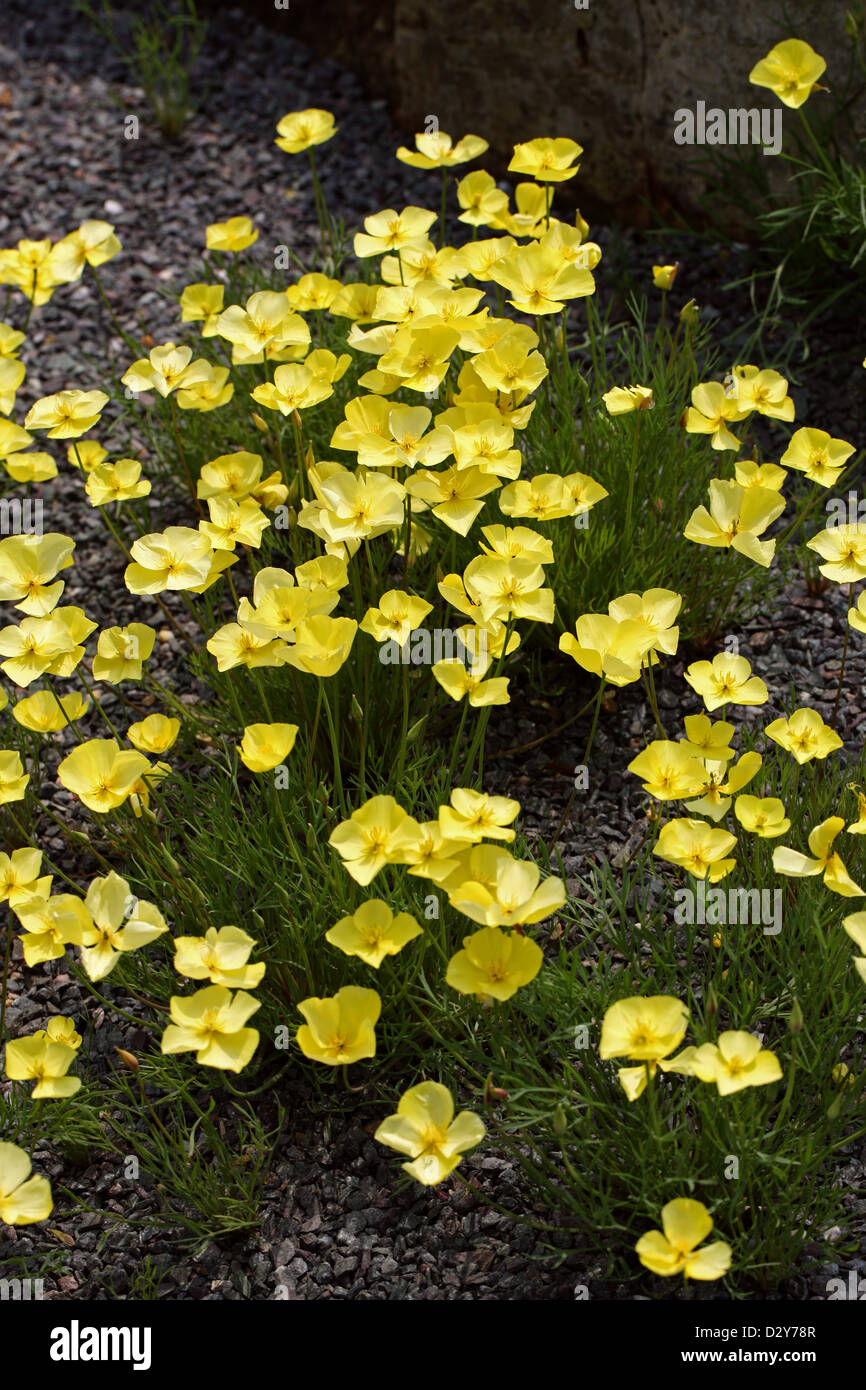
point(560, 1122)
point(795, 1018)
point(127, 1059)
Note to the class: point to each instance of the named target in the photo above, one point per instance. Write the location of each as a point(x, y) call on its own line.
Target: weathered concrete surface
point(611, 75)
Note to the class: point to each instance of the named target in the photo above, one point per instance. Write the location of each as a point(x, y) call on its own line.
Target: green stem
point(589, 743)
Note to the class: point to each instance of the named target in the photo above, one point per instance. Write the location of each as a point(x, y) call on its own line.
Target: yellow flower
point(206, 392)
point(538, 280)
point(697, 847)
point(116, 482)
point(685, 1223)
point(377, 834)
point(392, 231)
point(211, 1024)
point(548, 160)
point(300, 130)
point(454, 494)
point(474, 816)
point(12, 373)
point(855, 926)
point(13, 778)
point(47, 713)
point(844, 550)
point(763, 390)
point(857, 615)
point(726, 680)
point(622, 399)
point(30, 268)
point(19, 875)
point(313, 291)
point(219, 956)
point(814, 453)
point(509, 589)
point(67, 414)
point(480, 198)
point(294, 387)
point(419, 357)
point(643, 1029)
point(826, 861)
point(512, 542)
point(30, 468)
point(340, 1029)
point(100, 774)
point(543, 497)
point(734, 1063)
point(656, 609)
point(804, 734)
point(511, 365)
point(63, 1030)
point(265, 746)
point(234, 235)
point(121, 922)
point(234, 523)
point(424, 1128)
point(665, 275)
point(494, 964)
point(236, 475)
point(165, 369)
point(177, 558)
point(233, 645)
point(720, 782)
point(749, 474)
point(23, 1199)
point(322, 645)
point(460, 681)
point(86, 454)
point(93, 243)
point(356, 301)
point(373, 932)
point(859, 826)
point(429, 854)
point(711, 411)
point(497, 890)
point(397, 616)
point(38, 1058)
point(121, 651)
point(762, 816)
point(608, 648)
point(28, 565)
point(791, 70)
point(436, 150)
point(202, 304)
point(40, 645)
point(51, 924)
point(265, 322)
point(737, 516)
point(155, 734)
point(669, 770)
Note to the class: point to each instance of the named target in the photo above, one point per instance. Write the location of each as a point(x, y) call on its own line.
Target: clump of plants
point(365, 496)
